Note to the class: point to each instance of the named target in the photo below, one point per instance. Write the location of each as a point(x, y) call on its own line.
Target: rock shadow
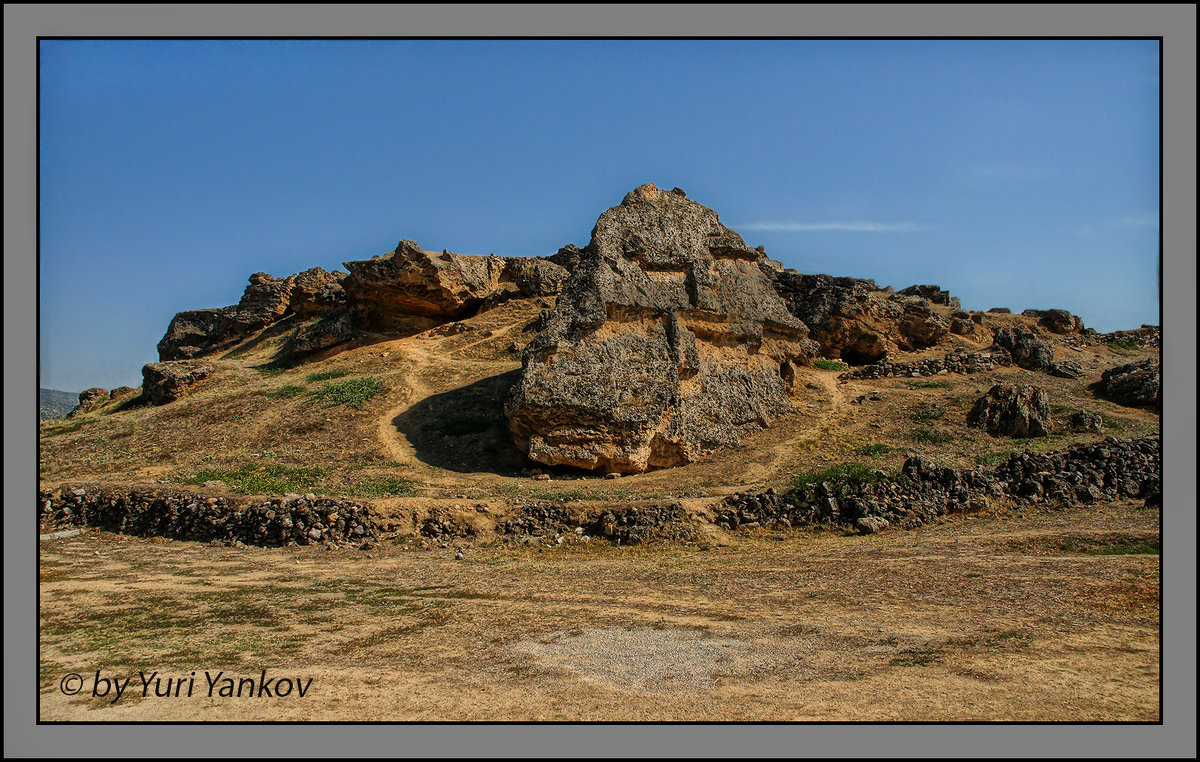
point(464, 429)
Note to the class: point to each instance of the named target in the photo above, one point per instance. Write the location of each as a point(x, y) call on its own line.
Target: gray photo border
point(1176, 24)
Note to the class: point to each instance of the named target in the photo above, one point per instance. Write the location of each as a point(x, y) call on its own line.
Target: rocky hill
point(664, 360)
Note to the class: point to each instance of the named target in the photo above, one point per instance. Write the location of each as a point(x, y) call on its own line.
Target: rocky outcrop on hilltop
point(388, 293)
point(1137, 384)
point(667, 342)
point(1057, 321)
point(164, 382)
point(265, 301)
point(1009, 410)
point(89, 400)
point(1026, 348)
point(934, 294)
point(854, 320)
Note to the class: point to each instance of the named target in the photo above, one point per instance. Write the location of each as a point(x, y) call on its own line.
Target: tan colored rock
point(667, 343)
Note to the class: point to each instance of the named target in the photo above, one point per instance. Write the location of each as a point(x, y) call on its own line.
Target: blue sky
point(1013, 173)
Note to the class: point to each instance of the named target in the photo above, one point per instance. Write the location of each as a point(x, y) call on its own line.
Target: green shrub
point(1123, 346)
point(325, 376)
point(285, 392)
point(878, 448)
point(824, 364)
point(270, 370)
point(382, 486)
point(353, 393)
point(838, 476)
point(929, 384)
point(928, 411)
point(931, 436)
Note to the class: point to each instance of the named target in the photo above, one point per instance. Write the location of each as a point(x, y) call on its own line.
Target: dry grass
point(973, 619)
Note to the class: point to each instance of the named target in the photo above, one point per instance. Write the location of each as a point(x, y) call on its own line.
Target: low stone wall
point(954, 362)
point(621, 524)
point(1107, 470)
point(153, 512)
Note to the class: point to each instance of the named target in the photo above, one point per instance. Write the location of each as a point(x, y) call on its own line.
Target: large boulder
point(316, 292)
point(1137, 384)
point(321, 334)
point(164, 382)
point(1027, 350)
point(1012, 411)
point(667, 342)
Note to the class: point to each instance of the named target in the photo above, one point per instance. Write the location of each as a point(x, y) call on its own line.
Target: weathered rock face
point(265, 301)
point(934, 294)
point(386, 293)
point(1026, 349)
point(89, 399)
point(323, 334)
point(1056, 321)
point(667, 342)
point(856, 321)
point(1138, 384)
point(164, 382)
point(1012, 411)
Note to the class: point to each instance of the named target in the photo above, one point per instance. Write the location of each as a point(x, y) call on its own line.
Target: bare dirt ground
point(1050, 616)
point(1033, 616)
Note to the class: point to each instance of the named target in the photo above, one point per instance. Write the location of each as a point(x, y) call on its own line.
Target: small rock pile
point(1107, 470)
point(959, 361)
point(148, 512)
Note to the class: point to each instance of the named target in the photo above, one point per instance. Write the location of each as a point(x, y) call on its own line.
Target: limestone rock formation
point(1137, 384)
point(1057, 321)
point(1026, 349)
point(934, 294)
point(667, 342)
point(89, 399)
point(322, 334)
point(1012, 411)
point(164, 382)
point(857, 321)
point(415, 289)
point(265, 301)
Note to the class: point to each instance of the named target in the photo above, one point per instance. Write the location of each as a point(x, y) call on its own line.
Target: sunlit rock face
point(667, 342)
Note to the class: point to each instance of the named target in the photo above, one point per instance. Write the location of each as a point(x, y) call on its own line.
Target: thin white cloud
point(1138, 220)
point(848, 227)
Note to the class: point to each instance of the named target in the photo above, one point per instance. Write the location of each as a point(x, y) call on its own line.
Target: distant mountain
point(53, 403)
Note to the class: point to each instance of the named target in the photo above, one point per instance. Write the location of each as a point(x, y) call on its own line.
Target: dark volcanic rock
point(1135, 385)
point(667, 342)
point(1026, 349)
point(1012, 411)
point(164, 382)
